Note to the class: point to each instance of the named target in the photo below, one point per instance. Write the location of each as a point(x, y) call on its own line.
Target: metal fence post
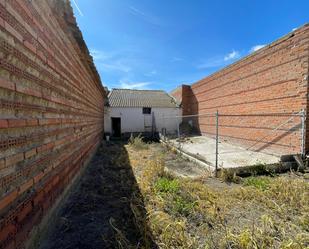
point(178, 130)
point(303, 132)
point(217, 142)
point(178, 133)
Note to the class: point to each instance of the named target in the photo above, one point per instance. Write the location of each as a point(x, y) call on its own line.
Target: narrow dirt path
point(97, 214)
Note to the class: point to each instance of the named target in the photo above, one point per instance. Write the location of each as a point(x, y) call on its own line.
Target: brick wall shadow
point(285, 140)
point(275, 140)
point(102, 211)
point(190, 107)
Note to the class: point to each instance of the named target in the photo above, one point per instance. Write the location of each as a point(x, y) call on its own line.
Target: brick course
point(259, 92)
point(51, 119)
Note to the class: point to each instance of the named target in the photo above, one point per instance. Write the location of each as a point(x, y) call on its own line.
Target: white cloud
point(136, 11)
point(121, 64)
point(219, 61)
point(294, 29)
point(110, 61)
point(99, 55)
point(231, 56)
point(134, 85)
point(257, 47)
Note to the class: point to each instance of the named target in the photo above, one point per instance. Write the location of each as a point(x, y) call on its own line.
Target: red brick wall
point(261, 91)
point(51, 110)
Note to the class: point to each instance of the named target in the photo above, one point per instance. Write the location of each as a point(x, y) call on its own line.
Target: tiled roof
point(140, 98)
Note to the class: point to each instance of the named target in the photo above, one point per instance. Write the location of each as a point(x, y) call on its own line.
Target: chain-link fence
point(235, 140)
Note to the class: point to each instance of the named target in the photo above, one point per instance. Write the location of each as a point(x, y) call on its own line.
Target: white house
point(140, 111)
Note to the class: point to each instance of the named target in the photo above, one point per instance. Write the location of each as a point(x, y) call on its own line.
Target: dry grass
point(137, 142)
point(260, 212)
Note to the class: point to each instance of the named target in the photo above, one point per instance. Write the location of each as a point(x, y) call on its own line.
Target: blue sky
point(160, 44)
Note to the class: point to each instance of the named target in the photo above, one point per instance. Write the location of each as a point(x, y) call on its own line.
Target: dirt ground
point(99, 206)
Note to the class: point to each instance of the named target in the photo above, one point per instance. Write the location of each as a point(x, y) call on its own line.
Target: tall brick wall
point(183, 95)
point(51, 111)
point(261, 91)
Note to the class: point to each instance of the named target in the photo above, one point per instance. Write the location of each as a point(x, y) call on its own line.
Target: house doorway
point(116, 127)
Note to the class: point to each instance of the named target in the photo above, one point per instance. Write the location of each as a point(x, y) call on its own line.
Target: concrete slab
point(230, 156)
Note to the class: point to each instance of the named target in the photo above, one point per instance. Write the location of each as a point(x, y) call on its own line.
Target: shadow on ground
point(99, 213)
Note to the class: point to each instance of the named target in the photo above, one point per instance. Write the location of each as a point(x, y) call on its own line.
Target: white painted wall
point(133, 119)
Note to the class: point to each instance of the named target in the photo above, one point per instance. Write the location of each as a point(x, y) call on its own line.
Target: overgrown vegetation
point(258, 212)
point(261, 183)
point(137, 142)
point(167, 185)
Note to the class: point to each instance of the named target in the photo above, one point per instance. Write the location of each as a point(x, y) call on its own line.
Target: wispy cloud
point(256, 48)
point(209, 63)
point(219, 61)
point(151, 73)
point(231, 56)
point(117, 65)
point(99, 55)
point(134, 85)
point(145, 16)
point(137, 11)
point(121, 66)
point(110, 61)
point(77, 7)
point(176, 59)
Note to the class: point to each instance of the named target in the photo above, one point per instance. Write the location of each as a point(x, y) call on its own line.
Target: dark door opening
point(116, 127)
